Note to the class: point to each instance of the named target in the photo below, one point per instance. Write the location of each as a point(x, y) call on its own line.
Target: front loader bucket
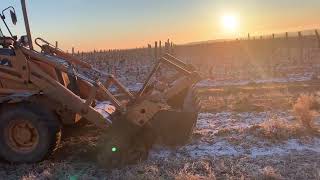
point(174, 127)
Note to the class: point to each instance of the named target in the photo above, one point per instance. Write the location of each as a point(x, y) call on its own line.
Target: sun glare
point(229, 22)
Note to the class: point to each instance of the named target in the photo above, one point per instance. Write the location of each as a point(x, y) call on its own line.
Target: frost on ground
point(225, 145)
point(307, 76)
point(243, 134)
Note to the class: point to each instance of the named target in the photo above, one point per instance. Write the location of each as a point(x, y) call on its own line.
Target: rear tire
point(28, 133)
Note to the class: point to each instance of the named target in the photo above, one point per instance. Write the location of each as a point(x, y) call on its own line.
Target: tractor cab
point(10, 44)
point(7, 42)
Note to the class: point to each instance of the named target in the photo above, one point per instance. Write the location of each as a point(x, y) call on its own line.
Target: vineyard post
point(300, 46)
point(288, 46)
point(273, 45)
point(318, 37)
point(171, 47)
point(156, 50)
point(272, 49)
point(149, 50)
point(160, 49)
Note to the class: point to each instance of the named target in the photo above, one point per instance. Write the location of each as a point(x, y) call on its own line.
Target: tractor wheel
point(28, 133)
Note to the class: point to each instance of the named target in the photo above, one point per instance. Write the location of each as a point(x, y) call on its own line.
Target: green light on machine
point(114, 149)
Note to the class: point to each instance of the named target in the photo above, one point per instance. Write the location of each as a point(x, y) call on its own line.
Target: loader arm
point(48, 48)
point(68, 99)
point(141, 107)
point(55, 90)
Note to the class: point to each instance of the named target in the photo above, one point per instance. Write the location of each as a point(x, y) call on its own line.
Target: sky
point(114, 24)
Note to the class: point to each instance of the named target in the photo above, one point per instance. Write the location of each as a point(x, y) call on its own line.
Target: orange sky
point(110, 24)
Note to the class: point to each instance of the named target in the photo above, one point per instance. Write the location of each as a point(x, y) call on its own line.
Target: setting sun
point(230, 22)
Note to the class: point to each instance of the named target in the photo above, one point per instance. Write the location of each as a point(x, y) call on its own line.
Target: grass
point(269, 173)
point(276, 129)
point(195, 171)
point(305, 108)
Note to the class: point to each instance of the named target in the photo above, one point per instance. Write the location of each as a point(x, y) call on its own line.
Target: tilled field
point(263, 143)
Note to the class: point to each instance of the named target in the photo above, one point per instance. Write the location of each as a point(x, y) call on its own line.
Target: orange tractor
point(41, 91)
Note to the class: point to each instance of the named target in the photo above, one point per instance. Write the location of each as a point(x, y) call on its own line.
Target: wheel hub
point(22, 136)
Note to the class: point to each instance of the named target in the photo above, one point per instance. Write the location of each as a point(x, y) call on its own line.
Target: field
point(248, 131)
point(259, 118)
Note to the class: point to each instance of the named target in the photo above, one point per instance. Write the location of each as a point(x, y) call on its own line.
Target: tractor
point(43, 90)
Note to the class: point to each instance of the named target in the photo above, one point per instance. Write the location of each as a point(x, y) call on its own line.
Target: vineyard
point(253, 130)
point(259, 116)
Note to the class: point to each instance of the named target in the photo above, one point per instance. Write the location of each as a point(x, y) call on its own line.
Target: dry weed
point(185, 175)
point(278, 129)
point(305, 108)
point(270, 173)
point(195, 171)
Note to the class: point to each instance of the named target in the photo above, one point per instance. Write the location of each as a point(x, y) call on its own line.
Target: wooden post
point(171, 48)
point(248, 36)
point(318, 37)
point(156, 50)
point(149, 50)
point(56, 44)
point(72, 51)
point(288, 46)
point(272, 48)
point(160, 49)
point(301, 46)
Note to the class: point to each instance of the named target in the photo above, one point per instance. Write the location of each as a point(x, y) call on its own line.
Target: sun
point(230, 22)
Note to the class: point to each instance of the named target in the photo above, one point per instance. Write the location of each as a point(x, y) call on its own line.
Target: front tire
point(28, 133)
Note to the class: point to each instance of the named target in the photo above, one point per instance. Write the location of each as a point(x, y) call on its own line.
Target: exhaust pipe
point(26, 23)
